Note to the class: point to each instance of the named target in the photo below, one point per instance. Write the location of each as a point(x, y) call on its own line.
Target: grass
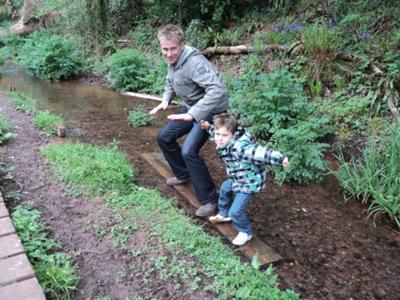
point(47, 121)
point(374, 177)
point(23, 102)
point(5, 127)
point(184, 240)
point(91, 170)
point(54, 270)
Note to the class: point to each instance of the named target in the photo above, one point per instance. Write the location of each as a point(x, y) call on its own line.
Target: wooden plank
point(158, 163)
point(10, 245)
point(142, 96)
point(265, 254)
point(16, 268)
point(3, 210)
point(24, 290)
point(6, 226)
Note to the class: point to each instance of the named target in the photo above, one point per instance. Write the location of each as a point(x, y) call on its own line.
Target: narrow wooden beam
point(265, 254)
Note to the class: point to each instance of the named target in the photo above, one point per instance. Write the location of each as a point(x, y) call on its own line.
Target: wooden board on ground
point(265, 254)
point(14, 269)
point(3, 210)
point(6, 226)
point(27, 289)
point(10, 245)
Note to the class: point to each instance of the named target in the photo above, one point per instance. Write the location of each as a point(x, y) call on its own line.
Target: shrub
point(275, 107)
point(374, 177)
point(49, 57)
point(139, 117)
point(47, 121)
point(320, 43)
point(128, 70)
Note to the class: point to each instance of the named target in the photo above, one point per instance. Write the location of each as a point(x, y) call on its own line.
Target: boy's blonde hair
point(225, 120)
point(169, 32)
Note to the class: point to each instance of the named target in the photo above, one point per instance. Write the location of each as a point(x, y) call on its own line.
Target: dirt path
point(331, 251)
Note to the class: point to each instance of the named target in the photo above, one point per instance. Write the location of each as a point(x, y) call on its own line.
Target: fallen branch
point(240, 49)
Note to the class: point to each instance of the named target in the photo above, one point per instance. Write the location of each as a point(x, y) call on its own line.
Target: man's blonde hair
point(225, 120)
point(169, 32)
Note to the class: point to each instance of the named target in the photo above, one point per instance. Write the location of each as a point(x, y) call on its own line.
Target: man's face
point(171, 50)
point(222, 137)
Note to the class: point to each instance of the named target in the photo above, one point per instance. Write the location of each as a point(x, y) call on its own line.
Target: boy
point(245, 166)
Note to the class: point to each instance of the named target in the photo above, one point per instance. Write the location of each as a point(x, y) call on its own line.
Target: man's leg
point(167, 140)
point(199, 174)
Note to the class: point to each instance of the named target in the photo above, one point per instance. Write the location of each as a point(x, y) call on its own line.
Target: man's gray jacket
point(200, 86)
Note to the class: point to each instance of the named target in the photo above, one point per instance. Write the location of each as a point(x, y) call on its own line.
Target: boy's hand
point(285, 162)
point(204, 124)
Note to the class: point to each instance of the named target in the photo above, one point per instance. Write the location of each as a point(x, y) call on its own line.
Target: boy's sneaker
point(241, 239)
point(219, 219)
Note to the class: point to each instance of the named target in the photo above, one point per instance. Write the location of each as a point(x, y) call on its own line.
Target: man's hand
point(180, 117)
point(285, 162)
point(162, 105)
point(204, 124)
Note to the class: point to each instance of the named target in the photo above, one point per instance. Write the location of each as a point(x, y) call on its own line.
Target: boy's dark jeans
point(186, 162)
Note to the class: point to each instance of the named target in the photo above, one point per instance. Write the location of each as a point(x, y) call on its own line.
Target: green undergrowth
point(43, 119)
point(139, 117)
point(374, 177)
point(98, 171)
point(5, 126)
point(54, 269)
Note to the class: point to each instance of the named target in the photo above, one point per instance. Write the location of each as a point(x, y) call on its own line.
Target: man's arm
point(216, 94)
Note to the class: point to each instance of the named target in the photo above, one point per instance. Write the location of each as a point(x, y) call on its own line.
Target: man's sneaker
point(241, 239)
point(219, 219)
point(206, 210)
point(176, 181)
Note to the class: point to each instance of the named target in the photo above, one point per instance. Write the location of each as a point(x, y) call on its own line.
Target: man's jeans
point(235, 207)
point(186, 162)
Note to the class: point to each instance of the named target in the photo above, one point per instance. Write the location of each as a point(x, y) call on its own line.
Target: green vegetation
point(49, 56)
point(97, 170)
point(23, 102)
point(374, 177)
point(47, 121)
point(91, 170)
point(275, 107)
point(54, 270)
point(139, 117)
point(5, 133)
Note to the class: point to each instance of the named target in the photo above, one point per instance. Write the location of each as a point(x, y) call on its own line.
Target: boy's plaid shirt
point(246, 161)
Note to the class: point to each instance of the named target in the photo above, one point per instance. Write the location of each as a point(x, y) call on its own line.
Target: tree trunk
point(240, 49)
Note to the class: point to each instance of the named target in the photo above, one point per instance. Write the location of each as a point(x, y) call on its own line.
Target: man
point(191, 77)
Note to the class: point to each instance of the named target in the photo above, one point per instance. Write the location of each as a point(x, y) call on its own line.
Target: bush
point(49, 57)
point(320, 43)
point(129, 69)
point(139, 117)
point(275, 107)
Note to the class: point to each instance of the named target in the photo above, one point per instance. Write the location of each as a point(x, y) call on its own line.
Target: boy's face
point(222, 137)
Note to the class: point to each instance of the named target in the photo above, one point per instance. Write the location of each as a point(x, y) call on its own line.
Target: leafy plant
point(139, 117)
point(373, 177)
point(47, 121)
point(128, 70)
point(49, 56)
point(54, 270)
